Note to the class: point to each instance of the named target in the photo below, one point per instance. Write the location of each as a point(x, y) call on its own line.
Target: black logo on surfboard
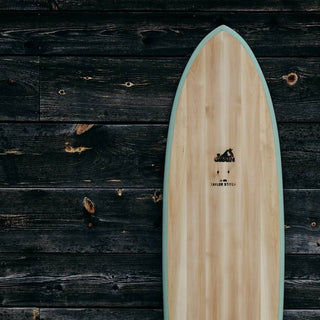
point(227, 156)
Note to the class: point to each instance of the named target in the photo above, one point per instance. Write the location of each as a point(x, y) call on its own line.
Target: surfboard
point(223, 229)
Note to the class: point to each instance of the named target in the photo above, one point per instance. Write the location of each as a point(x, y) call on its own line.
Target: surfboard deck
point(223, 242)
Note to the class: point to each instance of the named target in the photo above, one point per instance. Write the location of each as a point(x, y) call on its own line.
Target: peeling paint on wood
point(89, 205)
point(11, 152)
point(70, 149)
point(82, 128)
point(157, 196)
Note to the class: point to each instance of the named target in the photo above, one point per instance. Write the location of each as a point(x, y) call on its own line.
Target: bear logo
point(227, 156)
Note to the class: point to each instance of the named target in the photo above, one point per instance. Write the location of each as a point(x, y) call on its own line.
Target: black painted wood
point(81, 280)
point(302, 267)
point(169, 34)
point(103, 89)
point(50, 154)
point(301, 314)
point(125, 155)
point(145, 5)
point(302, 294)
point(109, 89)
point(19, 88)
point(102, 314)
point(52, 220)
point(302, 221)
point(25, 5)
point(106, 281)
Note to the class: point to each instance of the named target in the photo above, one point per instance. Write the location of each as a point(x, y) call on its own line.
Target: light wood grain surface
point(223, 240)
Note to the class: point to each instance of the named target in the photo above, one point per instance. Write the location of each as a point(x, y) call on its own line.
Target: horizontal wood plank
point(19, 89)
point(302, 267)
point(117, 314)
point(302, 294)
point(94, 280)
point(140, 33)
point(52, 220)
point(50, 154)
point(102, 89)
point(128, 90)
point(301, 314)
point(125, 155)
point(214, 5)
point(101, 314)
point(145, 5)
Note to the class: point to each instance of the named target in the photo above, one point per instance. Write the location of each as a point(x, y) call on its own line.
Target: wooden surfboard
point(223, 229)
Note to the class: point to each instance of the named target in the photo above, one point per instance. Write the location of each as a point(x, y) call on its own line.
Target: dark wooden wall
point(116, 64)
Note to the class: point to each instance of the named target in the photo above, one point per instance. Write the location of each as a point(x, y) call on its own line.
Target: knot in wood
point(291, 78)
point(128, 84)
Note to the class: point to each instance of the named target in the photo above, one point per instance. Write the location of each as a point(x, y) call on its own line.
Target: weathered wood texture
point(101, 314)
point(125, 155)
point(302, 267)
point(145, 5)
point(109, 281)
point(19, 88)
point(50, 257)
point(102, 89)
point(302, 219)
point(169, 34)
point(142, 89)
point(52, 220)
point(103, 156)
point(116, 313)
point(92, 280)
point(301, 314)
